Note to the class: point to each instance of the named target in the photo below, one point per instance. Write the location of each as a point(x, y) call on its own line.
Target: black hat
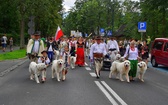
point(37, 33)
point(43, 51)
point(98, 38)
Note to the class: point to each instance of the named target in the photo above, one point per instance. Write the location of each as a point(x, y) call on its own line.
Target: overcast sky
point(70, 3)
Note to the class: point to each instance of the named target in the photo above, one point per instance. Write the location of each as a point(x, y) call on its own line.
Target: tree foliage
point(15, 16)
point(91, 15)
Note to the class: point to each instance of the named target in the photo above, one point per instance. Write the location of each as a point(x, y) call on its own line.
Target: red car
point(159, 52)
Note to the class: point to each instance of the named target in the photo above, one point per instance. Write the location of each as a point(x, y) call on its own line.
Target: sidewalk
point(7, 66)
point(8, 49)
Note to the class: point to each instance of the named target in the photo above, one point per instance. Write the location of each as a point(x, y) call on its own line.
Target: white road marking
point(88, 68)
point(113, 93)
point(106, 93)
point(93, 74)
point(86, 64)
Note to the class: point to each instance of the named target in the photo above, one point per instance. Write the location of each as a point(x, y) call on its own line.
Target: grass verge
point(13, 55)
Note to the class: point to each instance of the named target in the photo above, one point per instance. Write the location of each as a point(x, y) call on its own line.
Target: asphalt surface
point(80, 88)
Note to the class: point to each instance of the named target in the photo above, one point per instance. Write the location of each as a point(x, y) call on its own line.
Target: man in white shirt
point(97, 52)
point(4, 42)
point(35, 47)
point(112, 45)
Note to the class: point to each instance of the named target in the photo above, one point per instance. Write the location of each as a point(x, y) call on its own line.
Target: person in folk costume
point(121, 48)
point(97, 52)
point(103, 42)
point(72, 47)
point(132, 55)
point(80, 45)
point(50, 48)
point(35, 46)
point(144, 52)
point(87, 47)
point(113, 48)
point(112, 45)
point(92, 42)
point(63, 43)
point(44, 59)
point(66, 58)
point(56, 47)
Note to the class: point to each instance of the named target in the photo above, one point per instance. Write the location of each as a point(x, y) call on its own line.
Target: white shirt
point(5, 39)
point(50, 48)
point(133, 55)
point(36, 46)
point(105, 45)
point(72, 44)
point(113, 44)
point(46, 61)
point(97, 48)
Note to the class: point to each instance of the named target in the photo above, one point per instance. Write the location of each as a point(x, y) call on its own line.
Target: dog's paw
point(142, 80)
point(110, 76)
point(128, 81)
point(121, 80)
point(38, 82)
point(117, 78)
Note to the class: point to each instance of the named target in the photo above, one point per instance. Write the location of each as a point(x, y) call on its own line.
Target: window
point(158, 45)
point(166, 47)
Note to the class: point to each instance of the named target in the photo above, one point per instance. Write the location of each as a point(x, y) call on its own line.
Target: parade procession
point(63, 53)
point(83, 52)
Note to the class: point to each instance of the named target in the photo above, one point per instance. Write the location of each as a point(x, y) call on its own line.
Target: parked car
point(159, 52)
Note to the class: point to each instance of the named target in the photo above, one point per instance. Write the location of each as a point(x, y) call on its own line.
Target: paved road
point(82, 88)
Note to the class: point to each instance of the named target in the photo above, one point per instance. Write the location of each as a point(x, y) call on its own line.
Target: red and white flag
point(59, 33)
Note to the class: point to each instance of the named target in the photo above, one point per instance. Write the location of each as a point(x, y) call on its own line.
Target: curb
point(12, 68)
point(14, 59)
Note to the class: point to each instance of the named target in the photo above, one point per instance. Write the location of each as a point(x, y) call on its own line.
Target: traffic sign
point(102, 30)
point(142, 26)
point(109, 33)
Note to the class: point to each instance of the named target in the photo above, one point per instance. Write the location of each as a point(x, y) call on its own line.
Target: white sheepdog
point(72, 61)
point(57, 54)
point(121, 68)
point(57, 68)
point(141, 69)
point(36, 69)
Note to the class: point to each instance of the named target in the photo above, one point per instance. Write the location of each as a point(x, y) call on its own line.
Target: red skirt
point(80, 60)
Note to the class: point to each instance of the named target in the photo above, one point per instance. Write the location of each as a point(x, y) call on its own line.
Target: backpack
point(2, 40)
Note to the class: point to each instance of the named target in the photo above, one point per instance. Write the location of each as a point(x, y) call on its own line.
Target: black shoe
point(79, 65)
point(97, 77)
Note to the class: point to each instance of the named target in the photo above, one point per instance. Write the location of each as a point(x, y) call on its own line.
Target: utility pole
point(112, 23)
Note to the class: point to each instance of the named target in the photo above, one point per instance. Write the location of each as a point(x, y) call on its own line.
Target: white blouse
point(133, 55)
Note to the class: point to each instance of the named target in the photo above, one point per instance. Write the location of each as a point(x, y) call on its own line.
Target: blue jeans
point(50, 55)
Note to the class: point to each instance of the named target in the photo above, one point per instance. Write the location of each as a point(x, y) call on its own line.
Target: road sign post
point(142, 28)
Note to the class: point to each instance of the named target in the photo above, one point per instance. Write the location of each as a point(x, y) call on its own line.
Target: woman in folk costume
point(132, 55)
point(72, 45)
point(35, 47)
point(80, 61)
